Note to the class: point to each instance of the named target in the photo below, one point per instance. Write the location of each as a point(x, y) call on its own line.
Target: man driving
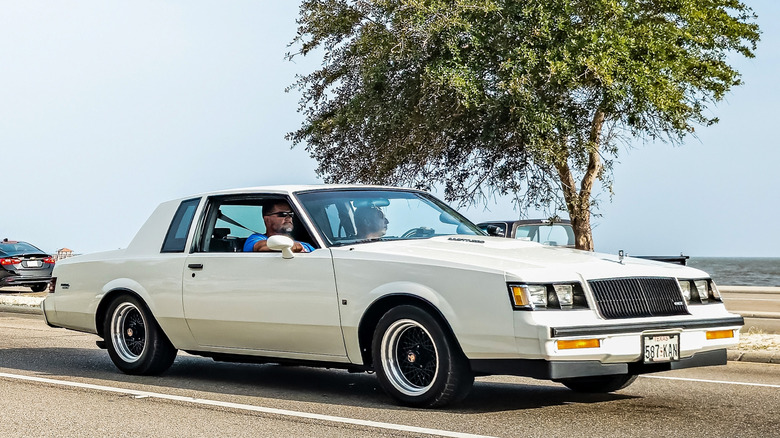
point(278, 218)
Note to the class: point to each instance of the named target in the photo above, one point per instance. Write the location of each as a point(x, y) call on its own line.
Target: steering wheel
point(418, 232)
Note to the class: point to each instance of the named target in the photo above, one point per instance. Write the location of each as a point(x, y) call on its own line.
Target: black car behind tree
point(22, 264)
point(553, 232)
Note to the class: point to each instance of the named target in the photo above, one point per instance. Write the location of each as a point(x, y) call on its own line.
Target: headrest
point(220, 233)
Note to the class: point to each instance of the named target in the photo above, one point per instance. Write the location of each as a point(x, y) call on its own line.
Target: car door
point(237, 301)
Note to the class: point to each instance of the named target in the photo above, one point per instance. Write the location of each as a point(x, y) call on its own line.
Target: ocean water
point(740, 271)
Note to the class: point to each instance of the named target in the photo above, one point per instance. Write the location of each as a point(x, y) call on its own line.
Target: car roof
point(291, 189)
point(529, 222)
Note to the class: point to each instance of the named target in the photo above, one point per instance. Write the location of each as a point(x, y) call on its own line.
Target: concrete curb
point(21, 300)
point(749, 289)
point(754, 356)
point(762, 315)
point(21, 309)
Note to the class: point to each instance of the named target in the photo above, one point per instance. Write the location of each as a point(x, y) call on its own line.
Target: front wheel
point(135, 342)
point(417, 362)
point(599, 384)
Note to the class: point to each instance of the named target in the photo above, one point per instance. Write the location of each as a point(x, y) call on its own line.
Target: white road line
point(265, 410)
point(713, 381)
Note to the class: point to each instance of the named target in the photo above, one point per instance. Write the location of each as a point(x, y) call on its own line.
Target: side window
point(557, 235)
point(527, 232)
point(240, 220)
point(176, 238)
point(548, 235)
point(230, 222)
point(232, 219)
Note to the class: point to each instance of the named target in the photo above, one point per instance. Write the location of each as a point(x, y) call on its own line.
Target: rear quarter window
point(176, 238)
point(14, 248)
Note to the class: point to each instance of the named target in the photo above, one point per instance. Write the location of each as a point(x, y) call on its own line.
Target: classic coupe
point(426, 299)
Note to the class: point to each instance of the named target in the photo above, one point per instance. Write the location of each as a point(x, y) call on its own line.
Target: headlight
point(538, 294)
point(547, 296)
point(685, 285)
point(565, 294)
point(699, 291)
point(714, 292)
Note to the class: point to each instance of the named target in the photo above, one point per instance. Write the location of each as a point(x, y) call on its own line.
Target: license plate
point(661, 347)
point(33, 263)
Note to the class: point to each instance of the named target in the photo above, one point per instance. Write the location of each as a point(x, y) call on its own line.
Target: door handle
point(195, 266)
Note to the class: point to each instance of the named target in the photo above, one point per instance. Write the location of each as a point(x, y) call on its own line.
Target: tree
point(493, 97)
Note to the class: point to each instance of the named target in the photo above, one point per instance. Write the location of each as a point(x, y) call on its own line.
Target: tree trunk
point(583, 237)
point(578, 203)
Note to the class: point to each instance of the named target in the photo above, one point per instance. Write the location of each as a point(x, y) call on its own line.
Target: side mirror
point(495, 230)
point(283, 244)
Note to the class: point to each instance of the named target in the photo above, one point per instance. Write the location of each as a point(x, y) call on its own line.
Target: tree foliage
point(486, 97)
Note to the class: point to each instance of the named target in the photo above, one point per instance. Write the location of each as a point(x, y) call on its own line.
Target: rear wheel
point(417, 362)
point(135, 342)
point(38, 287)
point(599, 384)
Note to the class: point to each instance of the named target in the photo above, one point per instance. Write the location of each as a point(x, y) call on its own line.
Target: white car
point(427, 303)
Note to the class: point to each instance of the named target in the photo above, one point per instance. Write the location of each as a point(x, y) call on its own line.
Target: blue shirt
point(249, 245)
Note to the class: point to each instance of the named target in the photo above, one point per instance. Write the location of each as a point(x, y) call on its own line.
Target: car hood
point(517, 260)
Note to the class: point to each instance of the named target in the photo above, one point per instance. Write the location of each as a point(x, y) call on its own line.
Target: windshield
point(352, 216)
point(17, 248)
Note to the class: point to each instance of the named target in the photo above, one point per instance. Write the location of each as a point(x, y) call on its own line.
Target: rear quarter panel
point(84, 282)
point(156, 280)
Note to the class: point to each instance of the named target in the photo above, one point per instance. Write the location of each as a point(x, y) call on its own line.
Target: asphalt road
point(78, 391)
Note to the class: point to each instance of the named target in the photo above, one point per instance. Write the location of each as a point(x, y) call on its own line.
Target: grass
point(755, 339)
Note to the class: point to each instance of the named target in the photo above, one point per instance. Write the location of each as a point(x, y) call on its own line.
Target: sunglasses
point(282, 214)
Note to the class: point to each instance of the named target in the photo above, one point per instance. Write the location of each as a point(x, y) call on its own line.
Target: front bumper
point(556, 370)
point(598, 330)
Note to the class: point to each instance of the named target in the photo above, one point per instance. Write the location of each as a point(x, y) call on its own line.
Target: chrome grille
point(638, 297)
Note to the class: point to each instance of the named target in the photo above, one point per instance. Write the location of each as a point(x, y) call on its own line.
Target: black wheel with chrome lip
point(135, 342)
point(417, 362)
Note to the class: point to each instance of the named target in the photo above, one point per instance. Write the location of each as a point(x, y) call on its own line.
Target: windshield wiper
point(355, 241)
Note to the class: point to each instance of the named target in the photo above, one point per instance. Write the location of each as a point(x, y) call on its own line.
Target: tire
point(39, 287)
point(134, 340)
point(417, 362)
point(599, 384)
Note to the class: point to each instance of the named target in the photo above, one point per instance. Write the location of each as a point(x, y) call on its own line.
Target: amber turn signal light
point(720, 334)
point(579, 343)
point(518, 295)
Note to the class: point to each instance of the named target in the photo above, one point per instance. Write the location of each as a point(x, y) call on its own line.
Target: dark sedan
point(22, 264)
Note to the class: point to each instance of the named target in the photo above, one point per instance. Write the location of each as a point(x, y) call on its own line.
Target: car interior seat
point(220, 241)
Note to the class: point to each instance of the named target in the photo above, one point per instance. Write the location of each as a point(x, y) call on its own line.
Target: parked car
point(554, 232)
point(428, 305)
point(22, 264)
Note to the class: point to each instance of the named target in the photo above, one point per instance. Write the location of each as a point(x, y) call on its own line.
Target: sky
point(108, 108)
